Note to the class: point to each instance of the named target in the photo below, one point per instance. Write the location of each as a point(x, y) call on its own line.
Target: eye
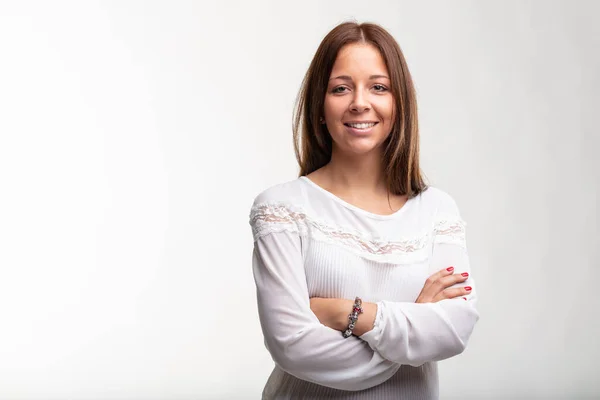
point(336, 90)
point(380, 88)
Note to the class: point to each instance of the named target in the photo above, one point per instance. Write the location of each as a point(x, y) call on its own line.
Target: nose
point(359, 102)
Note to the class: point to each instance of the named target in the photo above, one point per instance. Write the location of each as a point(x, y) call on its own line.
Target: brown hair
point(312, 141)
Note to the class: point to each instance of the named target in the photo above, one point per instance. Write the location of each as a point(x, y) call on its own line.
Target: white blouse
point(310, 243)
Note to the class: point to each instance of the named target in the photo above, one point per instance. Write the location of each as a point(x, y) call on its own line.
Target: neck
point(364, 173)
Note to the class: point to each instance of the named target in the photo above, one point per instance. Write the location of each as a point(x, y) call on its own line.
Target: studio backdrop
point(134, 136)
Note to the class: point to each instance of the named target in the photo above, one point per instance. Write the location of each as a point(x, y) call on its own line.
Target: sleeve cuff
point(373, 336)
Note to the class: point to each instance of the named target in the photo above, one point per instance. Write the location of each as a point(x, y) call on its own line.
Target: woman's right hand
point(437, 286)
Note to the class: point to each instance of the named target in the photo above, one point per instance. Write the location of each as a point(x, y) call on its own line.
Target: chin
point(361, 147)
point(357, 144)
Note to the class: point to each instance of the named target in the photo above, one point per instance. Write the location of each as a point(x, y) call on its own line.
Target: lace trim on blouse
point(450, 229)
point(268, 218)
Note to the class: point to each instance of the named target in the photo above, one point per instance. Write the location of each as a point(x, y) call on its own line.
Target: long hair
point(312, 141)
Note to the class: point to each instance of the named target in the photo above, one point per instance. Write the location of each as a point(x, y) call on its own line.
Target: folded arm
point(415, 333)
point(298, 343)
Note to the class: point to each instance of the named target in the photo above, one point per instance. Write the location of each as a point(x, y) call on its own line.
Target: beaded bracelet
point(353, 317)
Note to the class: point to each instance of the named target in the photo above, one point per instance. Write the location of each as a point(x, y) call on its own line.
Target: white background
point(135, 135)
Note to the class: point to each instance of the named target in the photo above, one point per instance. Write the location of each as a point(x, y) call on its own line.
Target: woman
point(362, 274)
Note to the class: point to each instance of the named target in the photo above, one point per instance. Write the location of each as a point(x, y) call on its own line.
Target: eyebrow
point(347, 78)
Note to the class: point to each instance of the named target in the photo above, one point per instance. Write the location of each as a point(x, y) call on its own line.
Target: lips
point(361, 124)
point(360, 132)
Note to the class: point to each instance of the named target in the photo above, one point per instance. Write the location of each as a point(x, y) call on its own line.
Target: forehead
point(359, 58)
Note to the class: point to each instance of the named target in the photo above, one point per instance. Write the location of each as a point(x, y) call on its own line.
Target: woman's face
point(359, 92)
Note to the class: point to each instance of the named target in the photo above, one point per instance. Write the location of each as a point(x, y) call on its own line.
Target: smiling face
point(359, 106)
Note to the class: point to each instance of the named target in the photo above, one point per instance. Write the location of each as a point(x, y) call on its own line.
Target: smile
point(362, 125)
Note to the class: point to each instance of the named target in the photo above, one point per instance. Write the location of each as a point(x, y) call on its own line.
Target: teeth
point(362, 126)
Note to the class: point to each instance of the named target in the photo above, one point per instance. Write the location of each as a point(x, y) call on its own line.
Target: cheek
point(386, 112)
point(334, 106)
point(389, 109)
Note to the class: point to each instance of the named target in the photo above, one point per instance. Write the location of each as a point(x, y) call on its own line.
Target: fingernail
point(465, 274)
point(467, 288)
point(464, 298)
point(450, 269)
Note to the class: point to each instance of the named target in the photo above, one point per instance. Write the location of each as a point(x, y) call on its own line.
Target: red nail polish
point(450, 269)
point(465, 274)
point(467, 288)
point(464, 298)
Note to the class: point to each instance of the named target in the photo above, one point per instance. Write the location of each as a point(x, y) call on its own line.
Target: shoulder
point(439, 201)
point(448, 226)
point(285, 192)
point(278, 208)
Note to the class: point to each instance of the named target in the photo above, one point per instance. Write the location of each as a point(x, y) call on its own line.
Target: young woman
point(362, 273)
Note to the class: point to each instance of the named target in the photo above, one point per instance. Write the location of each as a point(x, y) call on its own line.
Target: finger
point(452, 293)
point(446, 282)
point(440, 274)
point(451, 280)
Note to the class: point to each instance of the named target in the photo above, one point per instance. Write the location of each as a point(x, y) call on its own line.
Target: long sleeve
point(298, 343)
point(413, 334)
